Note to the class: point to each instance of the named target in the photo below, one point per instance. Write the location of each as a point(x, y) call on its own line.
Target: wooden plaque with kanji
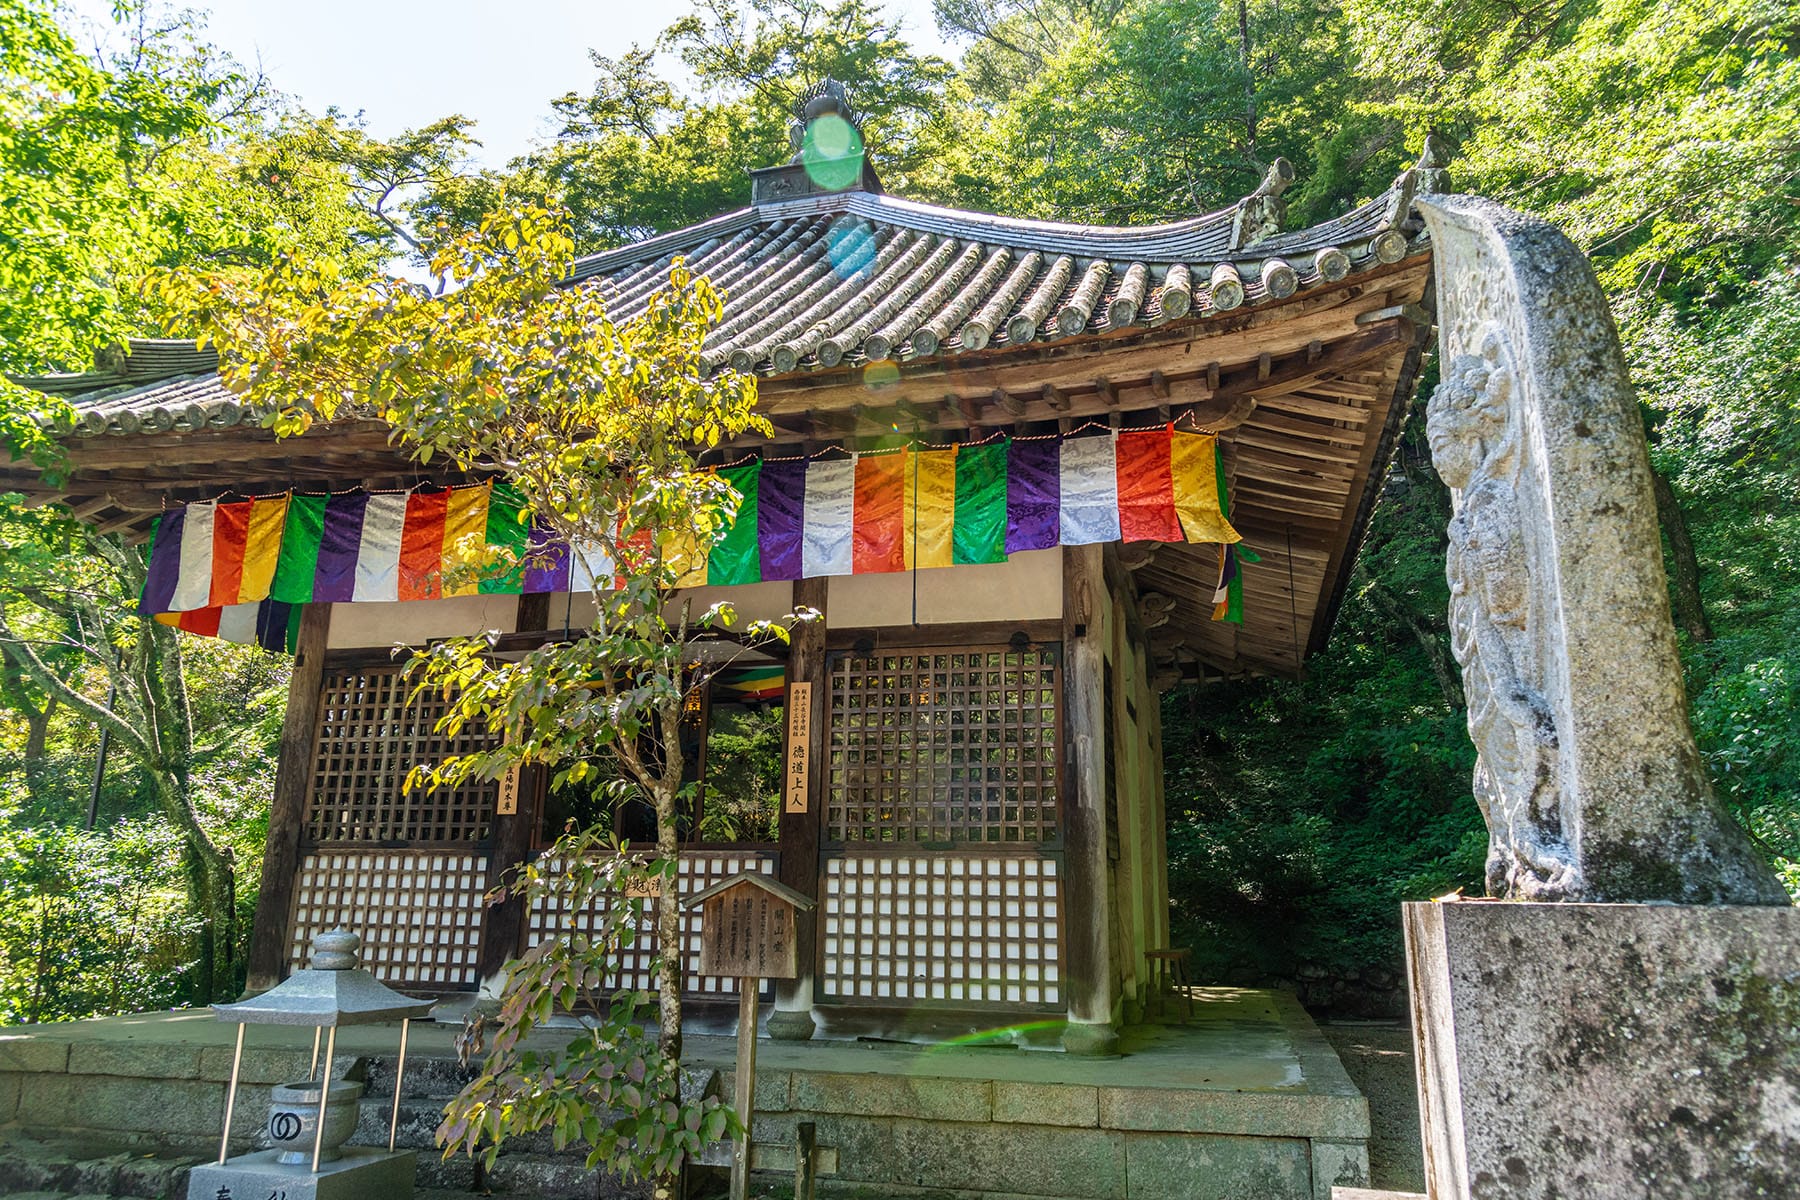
point(747, 928)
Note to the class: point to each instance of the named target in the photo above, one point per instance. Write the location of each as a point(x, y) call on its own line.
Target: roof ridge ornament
point(828, 152)
point(1432, 169)
point(1259, 215)
point(828, 97)
point(1430, 176)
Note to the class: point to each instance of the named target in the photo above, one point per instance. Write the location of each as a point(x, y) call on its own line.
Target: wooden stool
point(1168, 969)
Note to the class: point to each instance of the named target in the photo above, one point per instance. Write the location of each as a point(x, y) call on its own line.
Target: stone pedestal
point(1569, 1050)
point(362, 1173)
point(786, 1025)
point(1090, 1038)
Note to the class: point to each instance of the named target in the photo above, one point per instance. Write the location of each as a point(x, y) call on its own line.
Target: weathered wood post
point(1089, 966)
point(271, 932)
point(792, 1018)
point(747, 931)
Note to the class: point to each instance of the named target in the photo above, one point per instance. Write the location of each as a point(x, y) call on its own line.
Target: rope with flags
point(240, 569)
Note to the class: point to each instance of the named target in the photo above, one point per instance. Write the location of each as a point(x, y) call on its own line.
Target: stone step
point(557, 1177)
point(416, 1129)
point(31, 1164)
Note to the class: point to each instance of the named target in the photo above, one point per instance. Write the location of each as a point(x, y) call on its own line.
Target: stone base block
point(363, 1173)
point(1093, 1040)
point(785, 1026)
point(1649, 1051)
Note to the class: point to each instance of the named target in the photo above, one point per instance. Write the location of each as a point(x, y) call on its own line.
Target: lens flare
point(850, 247)
point(832, 152)
point(1023, 1035)
point(881, 373)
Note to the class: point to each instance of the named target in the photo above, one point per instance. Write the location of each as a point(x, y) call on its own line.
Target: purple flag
point(780, 516)
point(165, 563)
point(334, 579)
point(1033, 494)
point(546, 562)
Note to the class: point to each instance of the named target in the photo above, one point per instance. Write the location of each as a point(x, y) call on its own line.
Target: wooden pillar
point(1160, 934)
point(503, 924)
point(273, 927)
point(1087, 967)
point(792, 1019)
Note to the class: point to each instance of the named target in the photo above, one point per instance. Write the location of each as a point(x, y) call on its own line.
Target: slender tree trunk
point(211, 879)
point(668, 929)
point(1690, 610)
point(668, 898)
point(1432, 641)
point(200, 990)
point(37, 736)
point(1243, 14)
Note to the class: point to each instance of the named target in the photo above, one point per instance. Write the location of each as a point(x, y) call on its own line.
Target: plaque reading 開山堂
point(744, 932)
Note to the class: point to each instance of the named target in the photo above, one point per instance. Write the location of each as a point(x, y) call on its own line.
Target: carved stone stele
point(1587, 773)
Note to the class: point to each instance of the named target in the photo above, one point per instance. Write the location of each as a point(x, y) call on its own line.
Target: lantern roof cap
point(333, 990)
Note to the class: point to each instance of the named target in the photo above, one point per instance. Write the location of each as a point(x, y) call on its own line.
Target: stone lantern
point(310, 1120)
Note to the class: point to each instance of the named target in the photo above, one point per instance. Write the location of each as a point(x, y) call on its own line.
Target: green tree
point(1144, 113)
point(51, 611)
point(599, 424)
point(636, 155)
point(152, 151)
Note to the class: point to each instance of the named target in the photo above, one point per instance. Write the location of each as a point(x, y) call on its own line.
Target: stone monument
point(1639, 1037)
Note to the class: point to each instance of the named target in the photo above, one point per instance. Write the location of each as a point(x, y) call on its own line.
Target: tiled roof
point(839, 279)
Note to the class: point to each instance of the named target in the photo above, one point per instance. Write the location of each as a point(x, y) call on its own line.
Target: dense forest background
point(1663, 135)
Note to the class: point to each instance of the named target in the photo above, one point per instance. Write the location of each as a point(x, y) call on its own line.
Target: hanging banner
point(242, 569)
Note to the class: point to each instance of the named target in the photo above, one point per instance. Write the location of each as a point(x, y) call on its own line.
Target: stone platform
point(1247, 1099)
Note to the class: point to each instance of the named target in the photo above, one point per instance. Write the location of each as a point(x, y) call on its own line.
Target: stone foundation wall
point(1001, 1140)
point(902, 1122)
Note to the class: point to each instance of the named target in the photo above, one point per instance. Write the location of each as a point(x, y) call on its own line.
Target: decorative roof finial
point(827, 98)
point(827, 142)
point(1425, 177)
point(1260, 214)
point(1431, 169)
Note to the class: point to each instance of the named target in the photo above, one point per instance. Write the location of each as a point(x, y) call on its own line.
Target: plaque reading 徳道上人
point(796, 770)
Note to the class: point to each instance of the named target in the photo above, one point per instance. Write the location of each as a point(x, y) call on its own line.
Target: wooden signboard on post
point(747, 931)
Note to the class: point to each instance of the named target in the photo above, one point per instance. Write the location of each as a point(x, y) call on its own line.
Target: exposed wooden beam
point(1134, 556)
point(1411, 312)
point(1304, 403)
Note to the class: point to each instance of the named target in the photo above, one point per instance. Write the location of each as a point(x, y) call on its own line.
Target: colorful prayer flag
point(242, 569)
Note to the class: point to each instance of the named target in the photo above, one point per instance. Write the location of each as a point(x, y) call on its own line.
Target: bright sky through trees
point(405, 63)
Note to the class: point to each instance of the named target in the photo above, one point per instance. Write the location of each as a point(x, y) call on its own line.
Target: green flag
point(300, 538)
point(505, 529)
point(737, 558)
point(980, 534)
